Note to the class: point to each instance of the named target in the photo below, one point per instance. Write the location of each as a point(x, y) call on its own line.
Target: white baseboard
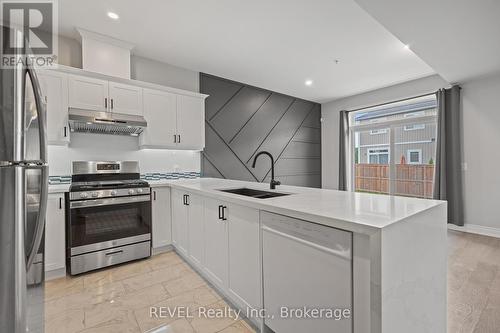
point(476, 229)
point(162, 249)
point(55, 274)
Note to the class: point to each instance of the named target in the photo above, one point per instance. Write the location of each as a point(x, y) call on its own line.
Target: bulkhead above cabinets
point(175, 118)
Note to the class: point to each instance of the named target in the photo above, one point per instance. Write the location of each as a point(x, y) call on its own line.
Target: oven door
point(99, 224)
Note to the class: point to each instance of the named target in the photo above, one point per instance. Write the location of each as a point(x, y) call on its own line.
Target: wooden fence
point(415, 180)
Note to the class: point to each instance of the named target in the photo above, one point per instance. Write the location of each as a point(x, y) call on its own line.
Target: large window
point(394, 148)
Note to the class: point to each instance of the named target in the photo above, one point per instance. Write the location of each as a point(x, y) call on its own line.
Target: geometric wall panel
point(242, 120)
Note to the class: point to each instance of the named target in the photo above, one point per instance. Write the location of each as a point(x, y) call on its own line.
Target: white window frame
point(414, 127)
point(369, 153)
point(408, 155)
point(379, 131)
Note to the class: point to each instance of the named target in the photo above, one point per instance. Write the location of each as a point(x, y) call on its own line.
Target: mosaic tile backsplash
point(172, 175)
point(57, 180)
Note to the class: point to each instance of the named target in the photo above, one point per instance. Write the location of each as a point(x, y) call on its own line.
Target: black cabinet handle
point(105, 102)
point(60, 203)
point(224, 213)
point(112, 104)
point(65, 132)
point(179, 141)
point(220, 212)
point(187, 199)
point(154, 195)
point(175, 138)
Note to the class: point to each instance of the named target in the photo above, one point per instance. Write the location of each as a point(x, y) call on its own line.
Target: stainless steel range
point(108, 217)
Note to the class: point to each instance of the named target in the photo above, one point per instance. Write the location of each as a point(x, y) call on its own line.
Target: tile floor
point(119, 299)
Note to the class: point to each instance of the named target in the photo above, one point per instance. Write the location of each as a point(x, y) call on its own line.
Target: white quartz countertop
point(358, 212)
point(164, 182)
point(64, 187)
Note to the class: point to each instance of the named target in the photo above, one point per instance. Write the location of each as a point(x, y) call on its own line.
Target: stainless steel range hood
point(88, 121)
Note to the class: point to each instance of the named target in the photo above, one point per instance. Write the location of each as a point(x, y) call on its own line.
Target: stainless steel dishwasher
point(307, 274)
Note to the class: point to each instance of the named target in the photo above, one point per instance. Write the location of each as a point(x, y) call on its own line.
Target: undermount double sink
point(258, 194)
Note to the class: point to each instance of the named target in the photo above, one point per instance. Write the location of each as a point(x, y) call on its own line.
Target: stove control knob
point(131, 191)
point(113, 192)
point(139, 190)
point(84, 195)
point(94, 194)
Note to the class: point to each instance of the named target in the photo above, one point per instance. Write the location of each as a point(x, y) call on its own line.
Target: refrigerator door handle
point(40, 106)
point(40, 221)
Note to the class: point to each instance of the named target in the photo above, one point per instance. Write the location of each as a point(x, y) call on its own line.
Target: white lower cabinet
point(216, 242)
point(244, 260)
point(195, 228)
point(223, 242)
point(55, 237)
point(161, 218)
point(179, 221)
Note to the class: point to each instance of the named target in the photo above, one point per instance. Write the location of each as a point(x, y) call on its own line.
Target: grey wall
point(143, 69)
point(153, 71)
point(242, 120)
point(481, 123)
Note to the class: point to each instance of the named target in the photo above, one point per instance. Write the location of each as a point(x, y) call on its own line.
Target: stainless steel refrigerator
point(23, 196)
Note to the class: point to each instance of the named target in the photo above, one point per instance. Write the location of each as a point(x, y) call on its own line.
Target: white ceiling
point(271, 44)
point(460, 39)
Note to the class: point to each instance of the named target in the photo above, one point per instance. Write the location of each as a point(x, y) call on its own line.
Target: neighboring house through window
point(414, 156)
point(414, 127)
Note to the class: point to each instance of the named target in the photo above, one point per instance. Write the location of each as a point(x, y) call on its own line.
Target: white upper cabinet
point(174, 121)
point(88, 93)
point(161, 115)
point(125, 98)
point(190, 122)
point(175, 118)
point(54, 87)
point(101, 95)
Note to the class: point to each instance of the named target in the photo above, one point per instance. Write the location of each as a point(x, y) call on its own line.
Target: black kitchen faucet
point(273, 181)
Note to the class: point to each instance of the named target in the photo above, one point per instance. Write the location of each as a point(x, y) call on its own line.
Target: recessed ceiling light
point(113, 16)
point(308, 82)
point(407, 46)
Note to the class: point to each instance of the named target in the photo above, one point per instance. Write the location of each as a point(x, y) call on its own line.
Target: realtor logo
point(36, 20)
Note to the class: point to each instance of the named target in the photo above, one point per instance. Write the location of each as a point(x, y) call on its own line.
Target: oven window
point(98, 224)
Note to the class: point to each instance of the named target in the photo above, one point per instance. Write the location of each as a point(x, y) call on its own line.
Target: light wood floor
point(119, 299)
point(473, 283)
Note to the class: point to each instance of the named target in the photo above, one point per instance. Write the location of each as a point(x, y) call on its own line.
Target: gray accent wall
point(242, 120)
